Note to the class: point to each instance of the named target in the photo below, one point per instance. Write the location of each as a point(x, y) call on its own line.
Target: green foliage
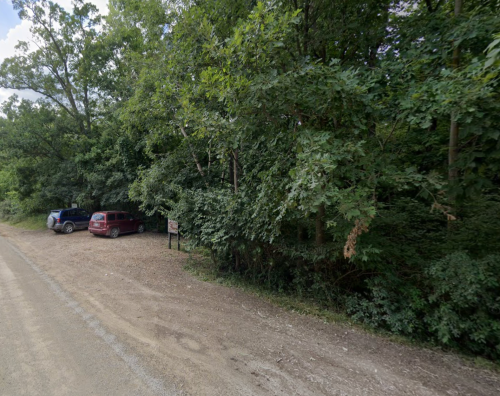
point(455, 304)
point(59, 68)
point(391, 305)
point(493, 57)
point(305, 145)
point(464, 306)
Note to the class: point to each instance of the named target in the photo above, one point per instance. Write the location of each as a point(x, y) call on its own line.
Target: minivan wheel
point(114, 232)
point(140, 229)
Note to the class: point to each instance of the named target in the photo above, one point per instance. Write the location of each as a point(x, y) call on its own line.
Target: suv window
point(129, 216)
point(55, 213)
point(111, 217)
point(97, 216)
point(121, 216)
point(81, 212)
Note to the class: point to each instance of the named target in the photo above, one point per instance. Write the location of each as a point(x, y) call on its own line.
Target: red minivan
point(114, 223)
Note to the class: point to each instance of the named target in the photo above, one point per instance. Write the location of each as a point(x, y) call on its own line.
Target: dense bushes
point(464, 303)
point(396, 283)
point(455, 303)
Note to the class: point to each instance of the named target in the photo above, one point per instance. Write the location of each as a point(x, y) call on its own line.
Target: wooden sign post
point(173, 228)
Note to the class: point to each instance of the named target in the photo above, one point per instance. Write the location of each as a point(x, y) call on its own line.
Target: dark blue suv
point(68, 220)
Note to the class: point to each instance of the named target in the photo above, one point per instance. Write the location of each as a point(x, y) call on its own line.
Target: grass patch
point(35, 222)
point(486, 364)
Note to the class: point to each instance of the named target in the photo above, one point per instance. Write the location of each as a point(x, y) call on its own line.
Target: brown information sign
point(173, 227)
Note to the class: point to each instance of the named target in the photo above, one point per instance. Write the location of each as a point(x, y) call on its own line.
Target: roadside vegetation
point(344, 152)
point(29, 222)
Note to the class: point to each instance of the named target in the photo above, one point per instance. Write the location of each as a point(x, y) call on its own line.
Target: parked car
point(114, 223)
point(68, 220)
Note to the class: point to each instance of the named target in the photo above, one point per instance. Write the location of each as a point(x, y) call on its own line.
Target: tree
point(58, 67)
point(37, 150)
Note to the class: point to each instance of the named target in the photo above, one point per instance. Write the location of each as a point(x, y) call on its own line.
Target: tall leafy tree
point(56, 64)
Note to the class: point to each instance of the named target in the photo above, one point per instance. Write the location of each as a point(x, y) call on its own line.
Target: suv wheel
point(68, 228)
point(114, 232)
point(140, 229)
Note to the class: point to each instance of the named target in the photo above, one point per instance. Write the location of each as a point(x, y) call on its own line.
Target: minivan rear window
point(111, 217)
point(97, 216)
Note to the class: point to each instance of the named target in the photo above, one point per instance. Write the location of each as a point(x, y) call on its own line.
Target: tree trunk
point(237, 259)
point(454, 128)
point(235, 170)
point(231, 170)
point(301, 233)
point(453, 151)
point(320, 225)
point(307, 6)
point(453, 142)
point(198, 165)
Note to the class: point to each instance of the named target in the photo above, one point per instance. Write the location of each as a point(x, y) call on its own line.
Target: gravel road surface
point(87, 315)
point(51, 346)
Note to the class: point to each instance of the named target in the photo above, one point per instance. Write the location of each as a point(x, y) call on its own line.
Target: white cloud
point(7, 93)
point(7, 49)
point(21, 32)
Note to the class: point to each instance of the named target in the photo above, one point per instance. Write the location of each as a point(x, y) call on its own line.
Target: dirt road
point(199, 338)
point(51, 346)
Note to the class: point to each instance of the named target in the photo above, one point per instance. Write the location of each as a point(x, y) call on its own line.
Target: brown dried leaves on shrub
point(360, 226)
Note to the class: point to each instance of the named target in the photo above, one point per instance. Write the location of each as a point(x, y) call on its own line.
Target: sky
point(12, 30)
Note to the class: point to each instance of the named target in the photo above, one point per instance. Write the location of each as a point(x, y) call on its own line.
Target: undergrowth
point(200, 265)
point(33, 222)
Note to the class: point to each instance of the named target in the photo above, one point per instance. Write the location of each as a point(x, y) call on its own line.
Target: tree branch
point(198, 165)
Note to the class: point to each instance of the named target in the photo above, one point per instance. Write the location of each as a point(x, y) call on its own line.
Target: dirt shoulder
point(212, 340)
